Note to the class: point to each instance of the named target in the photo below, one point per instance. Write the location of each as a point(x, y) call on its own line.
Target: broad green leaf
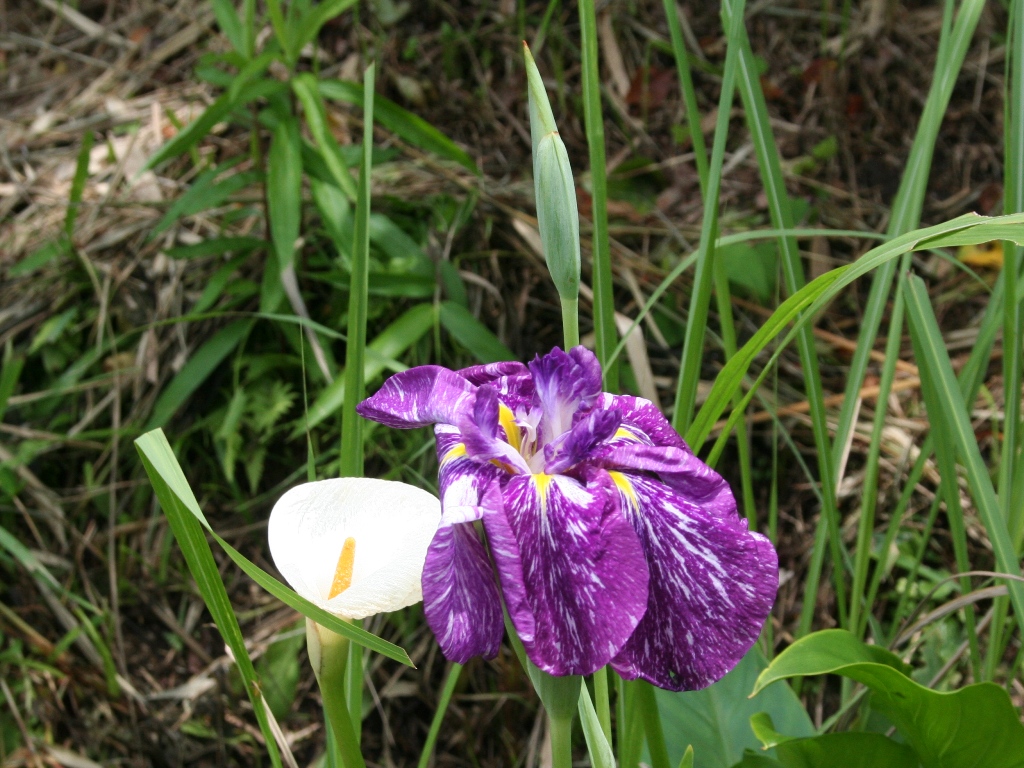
point(182, 509)
point(284, 191)
point(973, 727)
point(752, 759)
point(833, 750)
point(401, 122)
point(472, 334)
point(196, 371)
point(392, 342)
point(715, 720)
point(186, 522)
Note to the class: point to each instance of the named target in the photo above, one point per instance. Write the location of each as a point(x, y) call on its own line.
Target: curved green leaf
point(974, 727)
point(472, 334)
point(715, 720)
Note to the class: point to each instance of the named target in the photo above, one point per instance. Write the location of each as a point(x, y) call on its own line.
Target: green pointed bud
point(557, 214)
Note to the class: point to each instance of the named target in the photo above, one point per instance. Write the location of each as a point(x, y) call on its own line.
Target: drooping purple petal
point(582, 570)
point(578, 443)
point(686, 474)
point(485, 437)
point(565, 381)
point(427, 394)
point(511, 380)
point(460, 596)
point(712, 585)
point(642, 419)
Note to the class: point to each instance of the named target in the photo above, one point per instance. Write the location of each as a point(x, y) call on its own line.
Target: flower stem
point(561, 741)
point(328, 653)
point(601, 700)
point(571, 322)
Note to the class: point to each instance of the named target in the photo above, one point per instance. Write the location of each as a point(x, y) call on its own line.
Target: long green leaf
point(180, 506)
point(934, 359)
point(305, 87)
point(183, 514)
point(351, 463)
point(472, 334)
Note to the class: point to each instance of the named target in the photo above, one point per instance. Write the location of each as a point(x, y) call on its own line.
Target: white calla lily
point(354, 546)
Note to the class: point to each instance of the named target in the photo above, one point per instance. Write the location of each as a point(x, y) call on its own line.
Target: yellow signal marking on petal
point(542, 481)
point(507, 420)
point(625, 487)
point(624, 434)
point(343, 571)
point(456, 451)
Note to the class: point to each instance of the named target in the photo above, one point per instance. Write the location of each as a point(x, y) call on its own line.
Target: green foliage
point(715, 721)
point(976, 725)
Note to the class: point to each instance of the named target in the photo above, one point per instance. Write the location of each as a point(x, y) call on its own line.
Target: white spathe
point(391, 523)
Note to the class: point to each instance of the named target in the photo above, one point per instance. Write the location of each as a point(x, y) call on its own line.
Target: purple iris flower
point(612, 542)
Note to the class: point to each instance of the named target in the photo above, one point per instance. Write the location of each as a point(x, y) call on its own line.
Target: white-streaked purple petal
point(460, 597)
point(578, 443)
point(642, 421)
point(712, 585)
point(427, 394)
point(686, 474)
point(487, 374)
point(565, 381)
point(582, 570)
point(485, 438)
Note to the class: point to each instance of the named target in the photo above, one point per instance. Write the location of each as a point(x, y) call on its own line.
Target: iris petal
point(480, 432)
point(712, 583)
point(419, 396)
point(582, 570)
point(564, 382)
point(642, 421)
point(578, 443)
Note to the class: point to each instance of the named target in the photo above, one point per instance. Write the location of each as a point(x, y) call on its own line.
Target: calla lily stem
point(328, 653)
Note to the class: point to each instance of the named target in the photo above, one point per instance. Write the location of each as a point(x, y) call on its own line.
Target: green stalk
point(561, 741)
point(700, 300)
point(454, 670)
point(571, 322)
point(648, 706)
point(351, 459)
point(604, 303)
point(354, 686)
point(328, 653)
point(602, 706)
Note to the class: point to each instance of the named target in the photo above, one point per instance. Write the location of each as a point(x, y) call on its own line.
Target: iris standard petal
point(578, 443)
point(582, 569)
point(712, 586)
point(480, 431)
point(690, 477)
point(486, 374)
point(428, 394)
point(565, 381)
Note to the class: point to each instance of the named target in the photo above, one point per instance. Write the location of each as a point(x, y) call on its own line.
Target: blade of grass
point(700, 152)
point(78, 185)
point(305, 88)
point(450, 681)
point(180, 505)
point(774, 184)
point(351, 462)
point(168, 480)
point(934, 361)
point(700, 299)
point(284, 190)
point(601, 264)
